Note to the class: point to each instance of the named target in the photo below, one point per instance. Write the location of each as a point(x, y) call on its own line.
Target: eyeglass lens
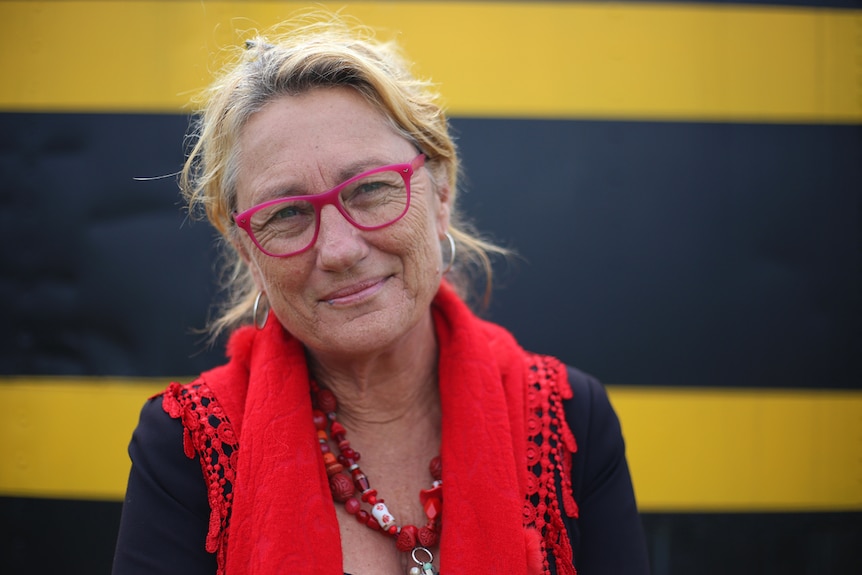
point(371, 201)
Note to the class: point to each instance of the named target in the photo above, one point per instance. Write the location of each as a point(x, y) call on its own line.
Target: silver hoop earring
point(258, 322)
point(451, 253)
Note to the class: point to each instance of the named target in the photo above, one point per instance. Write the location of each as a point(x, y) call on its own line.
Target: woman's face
point(354, 292)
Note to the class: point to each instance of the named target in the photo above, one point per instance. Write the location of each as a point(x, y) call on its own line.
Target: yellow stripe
point(506, 59)
point(743, 450)
point(68, 438)
point(689, 449)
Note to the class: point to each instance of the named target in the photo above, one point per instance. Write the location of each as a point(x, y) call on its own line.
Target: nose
point(339, 244)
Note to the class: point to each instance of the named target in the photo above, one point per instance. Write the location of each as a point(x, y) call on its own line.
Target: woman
point(331, 175)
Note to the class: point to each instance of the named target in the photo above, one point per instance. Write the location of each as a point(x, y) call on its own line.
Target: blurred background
point(682, 181)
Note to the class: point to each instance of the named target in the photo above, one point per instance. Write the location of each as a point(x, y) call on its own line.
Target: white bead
point(414, 571)
point(382, 515)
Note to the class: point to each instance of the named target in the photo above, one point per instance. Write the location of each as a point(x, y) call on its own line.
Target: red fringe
point(207, 434)
point(550, 445)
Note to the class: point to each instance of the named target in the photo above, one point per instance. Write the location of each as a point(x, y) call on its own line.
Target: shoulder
point(166, 510)
point(158, 434)
point(596, 428)
point(589, 410)
point(156, 451)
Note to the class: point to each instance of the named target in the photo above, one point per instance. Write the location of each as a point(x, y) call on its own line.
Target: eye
point(288, 217)
point(374, 189)
point(287, 211)
point(370, 187)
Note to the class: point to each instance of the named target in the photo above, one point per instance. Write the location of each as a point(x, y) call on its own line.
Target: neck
point(393, 385)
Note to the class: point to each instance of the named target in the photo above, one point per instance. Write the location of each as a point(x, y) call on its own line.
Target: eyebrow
point(347, 172)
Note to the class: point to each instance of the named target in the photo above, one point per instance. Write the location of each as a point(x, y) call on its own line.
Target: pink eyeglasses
point(371, 200)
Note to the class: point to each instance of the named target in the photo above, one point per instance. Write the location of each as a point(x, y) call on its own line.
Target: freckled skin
point(306, 142)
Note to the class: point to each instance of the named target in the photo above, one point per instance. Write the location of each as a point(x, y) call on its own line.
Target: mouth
point(354, 293)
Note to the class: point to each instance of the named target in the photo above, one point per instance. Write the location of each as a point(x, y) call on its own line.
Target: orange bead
point(332, 465)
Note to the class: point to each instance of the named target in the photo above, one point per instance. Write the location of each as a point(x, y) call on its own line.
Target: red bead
point(427, 537)
point(338, 432)
point(372, 522)
point(326, 401)
point(348, 457)
point(360, 481)
point(407, 538)
point(436, 468)
point(432, 507)
point(362, 516)
point(433, 493)
point(370, 496)
point(341, 487)
point(319, 419)
point(352, 505)
point(349, 452)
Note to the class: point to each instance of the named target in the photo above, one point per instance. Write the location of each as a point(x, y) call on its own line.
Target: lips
point(354, 292)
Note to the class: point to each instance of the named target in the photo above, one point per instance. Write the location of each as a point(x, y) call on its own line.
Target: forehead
point(323, 124)
point(309, 140)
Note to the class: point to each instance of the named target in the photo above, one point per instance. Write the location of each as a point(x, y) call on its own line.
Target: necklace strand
point(345, 488)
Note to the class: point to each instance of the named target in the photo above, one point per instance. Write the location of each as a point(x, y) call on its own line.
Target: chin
point(370, 333)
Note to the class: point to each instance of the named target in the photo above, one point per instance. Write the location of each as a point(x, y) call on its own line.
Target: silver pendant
point(423, 562)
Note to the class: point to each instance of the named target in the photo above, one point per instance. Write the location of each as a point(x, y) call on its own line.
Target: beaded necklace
point(408, 538)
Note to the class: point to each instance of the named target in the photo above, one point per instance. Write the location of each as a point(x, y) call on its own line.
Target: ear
point(444, 209)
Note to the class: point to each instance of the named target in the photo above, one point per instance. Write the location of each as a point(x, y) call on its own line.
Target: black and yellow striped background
point(683, 181)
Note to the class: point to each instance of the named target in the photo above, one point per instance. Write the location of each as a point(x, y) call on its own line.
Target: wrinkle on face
point(312, 142)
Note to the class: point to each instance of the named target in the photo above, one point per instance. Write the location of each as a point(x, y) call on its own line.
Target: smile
point(355, 293)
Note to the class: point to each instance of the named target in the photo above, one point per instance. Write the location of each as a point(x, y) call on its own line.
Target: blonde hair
point(309, 52)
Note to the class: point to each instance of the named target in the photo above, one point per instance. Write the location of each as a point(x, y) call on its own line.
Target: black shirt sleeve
point(166, 511)
point(608, 535)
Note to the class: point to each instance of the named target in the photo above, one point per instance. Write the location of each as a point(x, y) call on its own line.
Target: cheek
point(417, 241)
point(284, 277)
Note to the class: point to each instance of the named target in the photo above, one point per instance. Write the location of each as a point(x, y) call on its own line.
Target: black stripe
point(678, 254)
point(755, 543)
point(42, 536)
point(102, 274)
point(61, 536)
point(658, 253)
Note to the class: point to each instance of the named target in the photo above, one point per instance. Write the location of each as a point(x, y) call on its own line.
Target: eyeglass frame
point(332, 197)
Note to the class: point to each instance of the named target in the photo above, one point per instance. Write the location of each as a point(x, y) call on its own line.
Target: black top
point(166, 511)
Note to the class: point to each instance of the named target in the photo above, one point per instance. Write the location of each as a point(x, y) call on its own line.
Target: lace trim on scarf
point(208, 434)
point(550, 445)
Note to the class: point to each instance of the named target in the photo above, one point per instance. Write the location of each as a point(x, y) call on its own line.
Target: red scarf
point(501, 414)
